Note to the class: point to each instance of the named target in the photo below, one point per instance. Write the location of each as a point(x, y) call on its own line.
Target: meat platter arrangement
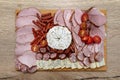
point(69, 39)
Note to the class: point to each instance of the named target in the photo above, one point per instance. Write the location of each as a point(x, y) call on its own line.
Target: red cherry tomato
point(84, 17)
point(90, 40)
point(97, 39)
point(85, 38)
point(82, 33)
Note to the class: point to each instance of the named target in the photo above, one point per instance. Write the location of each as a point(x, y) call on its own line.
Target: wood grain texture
point(7, 39)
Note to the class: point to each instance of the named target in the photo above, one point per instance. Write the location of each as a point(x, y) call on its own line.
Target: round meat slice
point(62, 56)
point(43, 50)
point(46, 56)
point(28, 12)
point(25, 30)
point(39, 56)
point(22, 21)
point(21, 48)
point(53, 55)
point(86, 61)
point(72, 57)
point(80, 56)
point(22, 39)
point(28, 59)
point(32, 69)
point(23, 68)
point(99, 56)
point(86, 51)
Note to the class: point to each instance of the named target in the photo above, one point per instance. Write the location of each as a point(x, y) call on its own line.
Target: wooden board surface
point(7, 39)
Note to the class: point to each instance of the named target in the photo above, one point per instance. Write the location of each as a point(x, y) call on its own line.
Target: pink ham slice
point(77, 39)
point(28, 12)
point(22, 21)
point(97, 17)
point(86, 61)
point(80, 56)
point(20, 49)
point(26, 30)
point(96, 31)
point(86, 51)
point(75, 27)
point(78, 14)
point(28, 59)
point(22, 39)
point(67, 17)
point(58, 19)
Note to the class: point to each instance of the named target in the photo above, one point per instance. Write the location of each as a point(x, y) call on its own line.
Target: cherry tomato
point(82, 33)
point(84, 17)
point(97, 39)
point(35, 48)
point(85, 38)
point(90, 40)
point(83, 25)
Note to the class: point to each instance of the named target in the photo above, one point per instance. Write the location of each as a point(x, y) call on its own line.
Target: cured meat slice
point(99, 56)
point(80, 56)
point(62, 56)
point(32, 69)
point(67, 17)
point(23, 68)
point(22, 21)
point(97, 17)
point(22, 39)
point(86, 51)
point(77, 39)
point(78, 15)
point(39, 56)
point(92, 57)
point(28, 59)
point(43, 50)
point(20, 49)
point(26, 30)
point(53, 55)
point(28, 12)
point(96, 31)
point(72, 57)
point(86, 62)
point(46, 56)
point(58, 19)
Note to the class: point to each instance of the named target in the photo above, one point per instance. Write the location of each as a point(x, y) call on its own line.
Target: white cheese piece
point(93, 65)
point(97, 64)
point(79, 66)
point(59, 37)
point(102, 63)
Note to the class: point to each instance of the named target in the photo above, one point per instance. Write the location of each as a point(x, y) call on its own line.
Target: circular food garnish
point(59, 37)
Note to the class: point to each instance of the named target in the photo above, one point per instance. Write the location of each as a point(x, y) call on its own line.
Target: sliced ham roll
point(22, 21)
point(97, 17)
point(58, 19)
point(78, 14)
point(28, 12)
point(28, 59)
point(25, 30)
point(20, 49)
point(67, 17)
point(22, 39)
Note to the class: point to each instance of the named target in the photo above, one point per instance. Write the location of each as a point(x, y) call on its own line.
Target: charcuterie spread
point(65, 39)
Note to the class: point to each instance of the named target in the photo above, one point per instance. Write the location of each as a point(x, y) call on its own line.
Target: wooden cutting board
point(102, 68)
